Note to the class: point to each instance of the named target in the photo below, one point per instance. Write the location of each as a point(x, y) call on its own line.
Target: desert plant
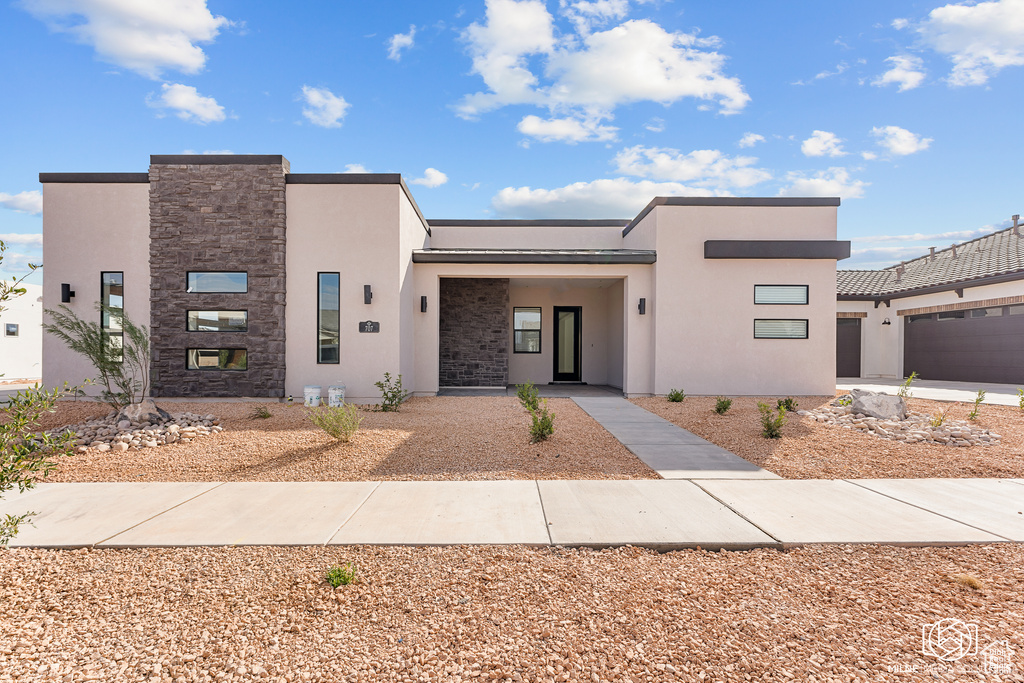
point(978, 400)
point(1020, 398)
point(391, 393)
point(528, 395)
point(904, 390)
point(772, 420)
point(844, 400)
point(260, 412)
point(939, 418)
point(676, 395)
point(123, 367)
point(722, 404)
point(789, 403)
point(341, 422)
point(543, 424)
point(341, 575)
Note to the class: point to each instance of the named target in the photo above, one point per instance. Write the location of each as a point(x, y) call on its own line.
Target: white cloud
point(835, 182)
point(588, 74)
point(750, 139)
point(188, 104)
point(979, 38)
point(868, 156)
point(356, 168)
point(880, 257)
point(604, 198)
point(907, 72)
point(822, 143)
point(655, 125)
point(324, 108)
point(568, 129)
point(706, 168)
point(958, 235)
point(900, 141)
point(29, 201)
point(821, 75)
point(26, 239)
point(399, 42)
point(900, 24)
point(146, 37)
point(431, 178)
point(17, 264)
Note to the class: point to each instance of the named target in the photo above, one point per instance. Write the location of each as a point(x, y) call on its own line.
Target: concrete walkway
point(671, 451)
point(710, 513)
point(937, 390)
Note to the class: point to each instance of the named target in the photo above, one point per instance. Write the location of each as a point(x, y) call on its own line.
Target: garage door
point(977, 345)
point(847, 347)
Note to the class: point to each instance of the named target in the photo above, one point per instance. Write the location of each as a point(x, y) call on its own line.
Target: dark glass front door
point(568, 344)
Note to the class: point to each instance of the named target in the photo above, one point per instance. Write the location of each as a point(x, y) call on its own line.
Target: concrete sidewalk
point(937, 390)
point(661, 514)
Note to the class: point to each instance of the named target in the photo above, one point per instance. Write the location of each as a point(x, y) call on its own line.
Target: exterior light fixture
point(66, 293)
point(887, 322)
point(367, 294)
point(423, 304)
point(643, 306)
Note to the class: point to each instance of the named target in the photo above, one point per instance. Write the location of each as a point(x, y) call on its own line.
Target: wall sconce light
point(643, 306)
point(887, 322)
point(423, 304)
point(367, 294)
point(66, 293)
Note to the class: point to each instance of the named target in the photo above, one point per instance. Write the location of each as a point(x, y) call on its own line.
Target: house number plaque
point(369, 326)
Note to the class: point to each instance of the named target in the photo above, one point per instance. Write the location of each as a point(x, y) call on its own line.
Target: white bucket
point(311, 396)
point(336, 395)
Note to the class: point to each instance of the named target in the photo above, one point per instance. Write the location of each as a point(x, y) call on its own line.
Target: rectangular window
point(328, 318)
point(526, 330)
point(780, 329)
point(10, 329)
point(952, 315)
point(218, 321)
point(1015, 310)
point(987, 312)
point(218, 283)
point(216, 359)
point(921, 317)
point(112, 298)
point(780, 294)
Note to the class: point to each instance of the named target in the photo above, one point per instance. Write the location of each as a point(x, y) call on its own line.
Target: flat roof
point(729, 201)
point(565, 256)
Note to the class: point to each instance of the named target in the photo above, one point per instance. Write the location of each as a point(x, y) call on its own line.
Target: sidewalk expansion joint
point(188, 500)
point(348, 519)
point(738, 513)
point(544, 513)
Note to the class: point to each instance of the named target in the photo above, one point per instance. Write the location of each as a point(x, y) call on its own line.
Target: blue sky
point(909, 111)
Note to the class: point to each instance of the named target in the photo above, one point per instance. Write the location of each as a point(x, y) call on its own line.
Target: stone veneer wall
point(474, 332)
point(217, 216)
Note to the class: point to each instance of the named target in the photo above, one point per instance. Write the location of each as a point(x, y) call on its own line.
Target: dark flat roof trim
point(595, 257)
point(729, 201)
point(343, 179)
point(773, 249)
point(931, 289)
point(94, 177)
point(539, 223)
point(216, 159)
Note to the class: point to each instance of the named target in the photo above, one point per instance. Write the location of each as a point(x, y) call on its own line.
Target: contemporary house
point(954, 314)
point(21, 336)
point(256, 281)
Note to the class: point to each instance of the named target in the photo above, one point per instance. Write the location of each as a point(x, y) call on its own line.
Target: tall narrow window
point(112, 298)
point(328, 318)
point(526, 330)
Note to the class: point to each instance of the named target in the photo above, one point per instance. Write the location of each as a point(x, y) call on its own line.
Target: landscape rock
point(878, 405)
point(145, 411)
point(116, 433)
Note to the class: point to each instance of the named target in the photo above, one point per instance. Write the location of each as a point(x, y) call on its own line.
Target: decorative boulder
point(879, 405)
point(143, 411)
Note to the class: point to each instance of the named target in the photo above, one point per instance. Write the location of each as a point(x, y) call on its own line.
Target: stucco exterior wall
point(21, 356)
point(525, 237)
point(352, 230)
point(412, 235)
point(90, 228)
point(705, 307)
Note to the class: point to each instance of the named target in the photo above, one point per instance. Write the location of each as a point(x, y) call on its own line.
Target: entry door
point(568, 344)
point(847, 347)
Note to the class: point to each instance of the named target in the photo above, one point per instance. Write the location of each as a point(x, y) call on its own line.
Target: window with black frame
point(526, 330)
point(328, 318)
point(111, 312)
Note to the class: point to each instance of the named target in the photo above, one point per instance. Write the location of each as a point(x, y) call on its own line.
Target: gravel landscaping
point(832, 613)
point(813, 450)
point(437, 438)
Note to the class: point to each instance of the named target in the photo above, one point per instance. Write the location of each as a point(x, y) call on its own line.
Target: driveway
point(937, 390)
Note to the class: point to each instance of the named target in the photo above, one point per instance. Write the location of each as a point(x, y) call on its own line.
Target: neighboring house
point(955, 314)
point(256, 281)
point(21, 336)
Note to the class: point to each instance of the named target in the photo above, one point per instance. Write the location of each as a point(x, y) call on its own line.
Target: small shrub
point(391, 393)
point(789, 403)
point(844, 400)
point(341, 422)
point(1020, 398)
point(968, 581)
point(676, 395)
point(904, 390)
point(978, 400)
point(259, 413)
point(722, 404)
point(772, 420)
point(341, 575)
point(529, 396)
point(939, 418)
point(543, 423)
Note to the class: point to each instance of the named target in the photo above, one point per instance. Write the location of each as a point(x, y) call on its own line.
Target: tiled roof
point(1000, 253)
